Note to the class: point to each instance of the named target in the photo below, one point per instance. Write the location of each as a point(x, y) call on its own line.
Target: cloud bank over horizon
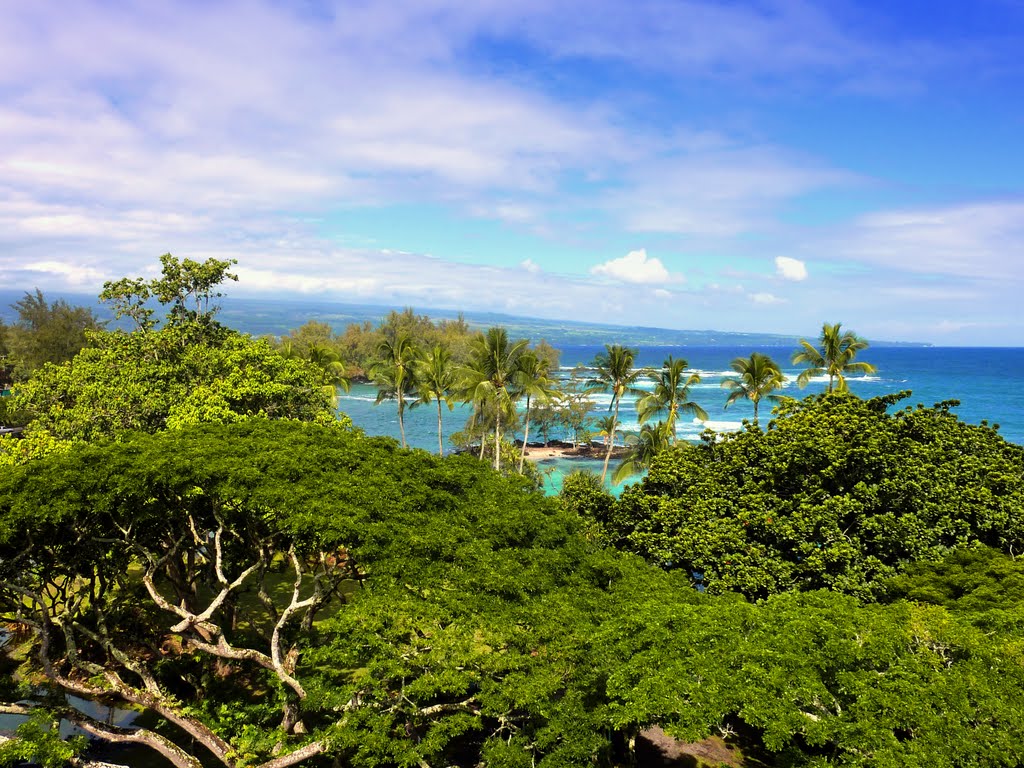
point(625, 163)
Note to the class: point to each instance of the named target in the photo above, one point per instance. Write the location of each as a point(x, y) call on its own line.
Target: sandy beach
point(559, 450)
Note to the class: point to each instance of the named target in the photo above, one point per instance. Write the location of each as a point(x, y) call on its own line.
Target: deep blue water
point(988, 382)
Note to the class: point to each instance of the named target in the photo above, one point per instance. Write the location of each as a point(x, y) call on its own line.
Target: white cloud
point(972, 240)
point(635, 267)
point(661, 293)
point(766, 298)
point(530, 266)
point(790, 269)
point(714, 192)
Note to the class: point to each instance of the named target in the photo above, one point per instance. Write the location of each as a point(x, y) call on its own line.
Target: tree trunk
point(497, 437)
point(401, 415)
point(611, 442)
point(440, 445)
point(526, 435)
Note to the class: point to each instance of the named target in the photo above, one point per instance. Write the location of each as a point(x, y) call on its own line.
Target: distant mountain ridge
point(279, 316)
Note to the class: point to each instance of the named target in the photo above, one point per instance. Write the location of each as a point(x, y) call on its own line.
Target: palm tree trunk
point(526, 435)
point(755, 411)
point(497, 438)
point(440, 445)
point(611, 442)
point(401, 417)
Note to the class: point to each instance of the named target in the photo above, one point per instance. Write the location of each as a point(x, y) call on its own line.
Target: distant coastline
point(260, 316)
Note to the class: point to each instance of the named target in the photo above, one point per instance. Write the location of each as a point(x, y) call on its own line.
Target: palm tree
point(435, 381)
point(394, 374)
point(614, 374)
point(533, 383)
point(670, 395)
point(758, 377)
point(834, 358)
point(606, 428)
point(490, 378)
point(645, 445)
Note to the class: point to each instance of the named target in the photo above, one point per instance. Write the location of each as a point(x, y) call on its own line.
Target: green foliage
point(837, 493)
point(191, 371)
point(360, 342)
point(37, 740)
point(614, 374)
point(471, 620)
point(445, 559)
point(670, 395)
point(170, 378)
point(45, 333)
point(981, 584)
point(834, 357)
point(490, 381)
point(757, 377)
point(824, 680)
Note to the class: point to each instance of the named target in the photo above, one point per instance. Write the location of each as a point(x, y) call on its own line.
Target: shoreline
point(560, 450)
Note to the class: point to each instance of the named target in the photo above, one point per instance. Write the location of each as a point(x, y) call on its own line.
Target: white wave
point(357, 397)
point(723, 426)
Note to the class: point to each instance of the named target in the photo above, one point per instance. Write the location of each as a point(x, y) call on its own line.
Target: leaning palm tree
point(614, 374)
point(490, 378)
point(758, 376)
point(435, 381)
point(534, 383)
point(394, 375)
point(834, 358)
point(644, 446)
point(670, 396)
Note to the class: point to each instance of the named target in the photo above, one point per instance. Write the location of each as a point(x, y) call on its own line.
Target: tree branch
point(292, 758)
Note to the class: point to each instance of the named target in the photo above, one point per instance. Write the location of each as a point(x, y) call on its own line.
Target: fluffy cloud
point(790, 269)
point(530, 266)
point(635, 267)
point(766, 298)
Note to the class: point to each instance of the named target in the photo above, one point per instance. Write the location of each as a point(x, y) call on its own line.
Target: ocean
point(988, 382)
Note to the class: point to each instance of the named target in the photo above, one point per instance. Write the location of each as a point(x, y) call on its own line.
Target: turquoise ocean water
point(988, 382)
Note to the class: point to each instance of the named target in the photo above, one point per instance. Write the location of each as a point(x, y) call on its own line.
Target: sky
point(739, 166)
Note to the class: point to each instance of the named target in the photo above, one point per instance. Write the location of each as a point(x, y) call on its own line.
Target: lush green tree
point(670, 396)
point(534, 384)
point(395, 375)
point(613, 373)
point(436, 381)
point(817, 678)
point(279, 590)
point(45, 333)
point(190, 371)
point(491, 377)
point(834, 357)
point(187, 289)
point(836, 493)
point(171, 378)
point(757, 377)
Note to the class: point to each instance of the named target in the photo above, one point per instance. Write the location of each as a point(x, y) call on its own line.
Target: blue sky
point(729, 165)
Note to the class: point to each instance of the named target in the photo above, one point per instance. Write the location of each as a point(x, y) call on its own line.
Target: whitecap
point(723, 426)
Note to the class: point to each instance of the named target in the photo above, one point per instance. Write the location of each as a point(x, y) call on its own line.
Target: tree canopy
point(836, 493)
point(282, 592)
